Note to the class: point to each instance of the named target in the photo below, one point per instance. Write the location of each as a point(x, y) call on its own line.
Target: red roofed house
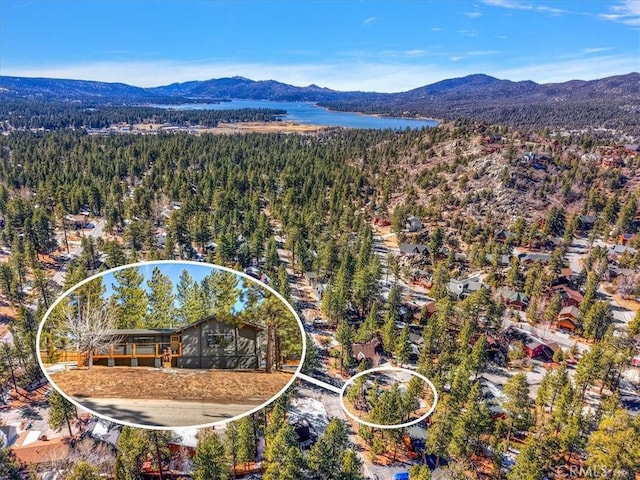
point(568, 318)
point(569, 296)
point(368, 351)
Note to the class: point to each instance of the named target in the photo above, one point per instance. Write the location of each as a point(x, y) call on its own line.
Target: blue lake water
point(311, 114)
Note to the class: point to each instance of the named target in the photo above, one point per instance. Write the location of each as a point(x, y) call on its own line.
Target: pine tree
point(61, 411)
point(190, 299)
point(419, 472)
point(351, 468)
point(130, 297)
point(517, 405)
point(439, 281)
point(162, 310)
point(597, 320)
point(553, 308)
point(210, 461)
point(402, 348)
point(83, 470)
point(614, 445)
point(277, 450)
point(531, 462)
point(246, 440)
point(325, 456)
point(389, 333)
point(132, 449)
point(272, 260)
point(9, 469)
point(293, 465)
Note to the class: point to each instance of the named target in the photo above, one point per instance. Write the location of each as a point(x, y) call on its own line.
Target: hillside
point(612, 102)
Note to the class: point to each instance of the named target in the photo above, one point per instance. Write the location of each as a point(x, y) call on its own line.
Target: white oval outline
point(387, 368)
point(179, 427)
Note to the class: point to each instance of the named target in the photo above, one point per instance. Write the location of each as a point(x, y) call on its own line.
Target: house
point(512, 299)
point(367, 351)
point(381, 221)
point(620, 249)
point(76, 221)
point(567, 275)
point(502, 260)
point(568, 318)
point(465, 287)
point(212, 343)
point(612, 161)
point(413, 249)
point(29, 451)
point(569, 296)
point(533, 348)
point(586, 222)
point(413, 223)
point(503, 235)
point(625, 238)
point(208, 343)
point(532, 257)
point(425, 312)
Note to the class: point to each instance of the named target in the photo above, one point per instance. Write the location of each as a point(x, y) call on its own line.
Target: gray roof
point(534, 257)
point(413, 248)
point(167, 331)
point(144, 331)
point(467, 285)
point(513, 296)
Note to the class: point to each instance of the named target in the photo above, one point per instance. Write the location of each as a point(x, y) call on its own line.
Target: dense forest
point(606, 103)
point(238, 200)
point(35, 114)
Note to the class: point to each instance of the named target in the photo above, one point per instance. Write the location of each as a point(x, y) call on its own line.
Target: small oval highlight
point(388, 397)
point(171, 344)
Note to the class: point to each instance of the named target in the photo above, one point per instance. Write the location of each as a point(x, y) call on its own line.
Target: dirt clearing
point(219, 386)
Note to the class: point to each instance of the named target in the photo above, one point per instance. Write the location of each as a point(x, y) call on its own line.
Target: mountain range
point(612, 102)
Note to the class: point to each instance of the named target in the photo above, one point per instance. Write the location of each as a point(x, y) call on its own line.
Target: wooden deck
point(120, 350)
point(138, 350)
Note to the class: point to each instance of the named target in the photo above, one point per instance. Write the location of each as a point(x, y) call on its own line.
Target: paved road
point(164, 413)
point(76, 250)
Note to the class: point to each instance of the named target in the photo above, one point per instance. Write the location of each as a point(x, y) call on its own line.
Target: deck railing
point(138, 350)
point(135, 350)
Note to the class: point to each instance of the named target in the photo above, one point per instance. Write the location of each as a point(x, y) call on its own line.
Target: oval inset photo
point(171, 344)
point(388, 397)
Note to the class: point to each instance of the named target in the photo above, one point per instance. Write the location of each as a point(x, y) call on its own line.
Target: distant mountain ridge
point(611, 102)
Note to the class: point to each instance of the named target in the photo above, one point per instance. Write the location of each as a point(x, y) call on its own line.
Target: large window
point(219, 339)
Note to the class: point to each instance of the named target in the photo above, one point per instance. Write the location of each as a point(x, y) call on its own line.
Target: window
point(143, 340)
point(219, 339)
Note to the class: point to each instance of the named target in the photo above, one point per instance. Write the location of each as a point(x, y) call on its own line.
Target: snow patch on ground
point(310, 410)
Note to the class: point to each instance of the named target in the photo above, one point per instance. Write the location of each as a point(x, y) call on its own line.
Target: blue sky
point(173, 271)
point(363, 45)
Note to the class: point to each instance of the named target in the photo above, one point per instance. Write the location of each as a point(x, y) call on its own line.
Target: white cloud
point(416, 52)
point(572, 69)
point(596, 50)
point(468, 33)
point(370, 20)
point(473, 53)
point(626, 11)
point(510, 4)
point(519, 5)
point(474, 14)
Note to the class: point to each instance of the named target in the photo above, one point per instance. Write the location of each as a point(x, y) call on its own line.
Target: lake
point(311, 114)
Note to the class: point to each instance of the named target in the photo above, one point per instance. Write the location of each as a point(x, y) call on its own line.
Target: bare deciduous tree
point(627, 285)
point(90, 328)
